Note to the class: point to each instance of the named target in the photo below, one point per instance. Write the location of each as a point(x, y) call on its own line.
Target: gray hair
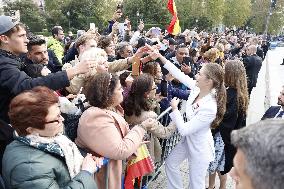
point(263, 146)
point(121, 46)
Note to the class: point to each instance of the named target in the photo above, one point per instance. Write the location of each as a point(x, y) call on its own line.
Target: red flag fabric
point(138, 167)
point(174, 27)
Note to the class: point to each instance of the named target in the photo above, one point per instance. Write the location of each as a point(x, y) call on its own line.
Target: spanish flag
point(174, 27)
point(138, 167)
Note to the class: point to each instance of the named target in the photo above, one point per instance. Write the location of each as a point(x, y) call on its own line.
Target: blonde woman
point(205, 108)
point(234, 118)
point(100, 60)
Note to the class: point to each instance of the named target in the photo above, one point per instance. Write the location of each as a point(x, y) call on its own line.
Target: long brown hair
point(235, 77)
point(136, 102)
point(216, 73)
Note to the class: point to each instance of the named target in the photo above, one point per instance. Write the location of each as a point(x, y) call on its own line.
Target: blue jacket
point(14, 81)
point(271, 112)
point(172, 92)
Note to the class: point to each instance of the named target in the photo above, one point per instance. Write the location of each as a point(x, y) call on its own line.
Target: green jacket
point(57, 48)
point(27, 167)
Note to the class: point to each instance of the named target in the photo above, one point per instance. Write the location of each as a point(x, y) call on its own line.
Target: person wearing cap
point(13, 42)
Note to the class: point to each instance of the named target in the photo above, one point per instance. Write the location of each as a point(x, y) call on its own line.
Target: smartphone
point(163, 47)
point(156, 31)
point(136, 66)
point(186, 60)
point(164, 88)
point(92, 26)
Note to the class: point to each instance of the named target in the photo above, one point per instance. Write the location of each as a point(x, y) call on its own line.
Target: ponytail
point(221, 98)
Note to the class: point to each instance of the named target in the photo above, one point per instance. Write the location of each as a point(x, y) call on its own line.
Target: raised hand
point(174, 103)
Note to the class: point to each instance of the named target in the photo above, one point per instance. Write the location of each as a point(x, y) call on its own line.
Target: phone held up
point(186, 60)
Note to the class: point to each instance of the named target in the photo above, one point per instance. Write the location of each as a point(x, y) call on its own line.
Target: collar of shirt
point(280, 110)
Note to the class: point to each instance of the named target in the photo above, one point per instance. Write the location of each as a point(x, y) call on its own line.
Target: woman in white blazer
point(204, 109)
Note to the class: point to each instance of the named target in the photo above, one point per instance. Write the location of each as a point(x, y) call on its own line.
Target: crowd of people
point(115, 84)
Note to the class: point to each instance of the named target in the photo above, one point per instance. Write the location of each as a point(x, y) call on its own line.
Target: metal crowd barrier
point(167, 146)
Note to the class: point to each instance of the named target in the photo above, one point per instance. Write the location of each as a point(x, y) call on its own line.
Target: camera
point(164, 88)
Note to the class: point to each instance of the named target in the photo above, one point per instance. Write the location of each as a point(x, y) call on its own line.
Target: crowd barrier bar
point(167, 146)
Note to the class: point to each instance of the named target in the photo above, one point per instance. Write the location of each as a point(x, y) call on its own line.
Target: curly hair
point(99, 89)
point(104, 42)
point(151, 68)
point(137, 101)
point(30, 108)
point(235, 77)
point(215, 72)
point(211, 55)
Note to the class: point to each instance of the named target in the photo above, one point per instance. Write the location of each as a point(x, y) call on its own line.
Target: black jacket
point(252, 64)
point(13, 81)
point(53, 64)
point(233, 119)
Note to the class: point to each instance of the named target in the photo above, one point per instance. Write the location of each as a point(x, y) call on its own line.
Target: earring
point(213, 92)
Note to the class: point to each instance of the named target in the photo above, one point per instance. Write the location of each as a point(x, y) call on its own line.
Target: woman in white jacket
point(205, 108)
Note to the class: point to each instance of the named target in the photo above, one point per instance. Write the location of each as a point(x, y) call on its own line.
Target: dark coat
point(252, 65)
point(33, 70)
point(233, 120)
point(271, 112)
point(260, 53)
point(71, 54)
point(14, 81)
point(6, 137)
point(171, 92)
point(27, 167)
point(53, 63)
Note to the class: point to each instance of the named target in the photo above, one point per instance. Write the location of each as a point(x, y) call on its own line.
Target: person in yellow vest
point(55, 42)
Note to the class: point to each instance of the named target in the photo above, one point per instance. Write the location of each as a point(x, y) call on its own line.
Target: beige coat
point(78, 81)
point(106, 133)
point(158, 130)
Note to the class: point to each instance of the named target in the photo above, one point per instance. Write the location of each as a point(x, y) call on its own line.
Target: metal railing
point(166, 144)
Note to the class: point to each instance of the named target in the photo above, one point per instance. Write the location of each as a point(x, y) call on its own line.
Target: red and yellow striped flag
point(138, 167)
point(174, 27)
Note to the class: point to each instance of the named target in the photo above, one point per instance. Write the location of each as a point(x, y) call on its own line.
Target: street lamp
point(271, 7)
point(137, 14)
point(68, 15)
point(196, 22)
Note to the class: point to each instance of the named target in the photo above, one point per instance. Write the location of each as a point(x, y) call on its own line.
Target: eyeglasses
point(54, 121)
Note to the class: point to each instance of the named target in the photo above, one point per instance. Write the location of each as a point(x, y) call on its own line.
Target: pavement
point(269, 85)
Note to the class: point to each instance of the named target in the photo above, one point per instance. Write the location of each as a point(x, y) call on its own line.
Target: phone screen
point(164, 88)
point(186, 60)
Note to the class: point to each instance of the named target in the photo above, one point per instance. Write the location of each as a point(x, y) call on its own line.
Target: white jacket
point(200, 115)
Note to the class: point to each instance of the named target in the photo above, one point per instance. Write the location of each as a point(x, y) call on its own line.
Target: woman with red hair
point(40, 156)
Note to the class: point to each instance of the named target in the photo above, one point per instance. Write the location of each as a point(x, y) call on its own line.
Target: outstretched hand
point(174, 103)
point(148, 123)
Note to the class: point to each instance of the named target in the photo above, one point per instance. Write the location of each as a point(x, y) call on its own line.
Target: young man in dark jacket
point(13, 42)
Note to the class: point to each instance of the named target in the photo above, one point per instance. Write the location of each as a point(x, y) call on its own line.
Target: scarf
point(59, 145)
